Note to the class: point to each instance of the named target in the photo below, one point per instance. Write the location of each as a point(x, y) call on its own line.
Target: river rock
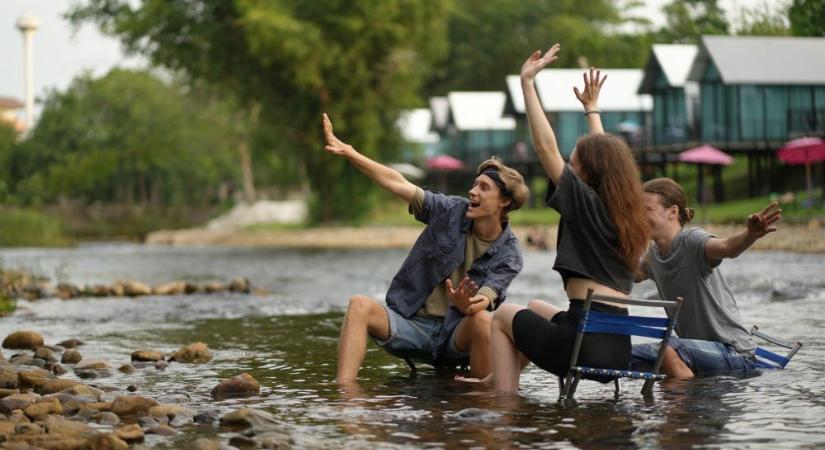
point(89, 363)
point(214, 286)
point(58, 370)
point(33, 379)
point(24, 360)
point(205, 444)
point(4, 392)
point(163, 430)
point(171, 288)
point(192, 288)
point(106, 441)
point(83, 391)
point(132, 405)
point(130, 433)
point(17, 416)
point(161, 365)
point(248, 417)
point(17, 401)
point(58, 385)
point(7, 429)
point(70, 343)
point(45, 354)
point(23, 340)
point(193, 353)
point(272, 439)
point(240, 386)
point(59, 425)
point(118, 289)
point(126, 368)
point(71, 356)
point(109, 418)
point(135, 288)
point(44, 407)
point(100, 290)
point(147, 355)
point(66, 291)
point(206, 417)
point(8, 377)
point(239, 284)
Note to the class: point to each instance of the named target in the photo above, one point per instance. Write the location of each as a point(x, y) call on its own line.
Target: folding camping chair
point(599, 322)
point(766, 359)
point(426, 358)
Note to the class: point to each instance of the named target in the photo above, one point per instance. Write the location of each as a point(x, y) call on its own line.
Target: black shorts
point(549, 343)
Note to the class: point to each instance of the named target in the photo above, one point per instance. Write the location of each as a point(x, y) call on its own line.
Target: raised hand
point(536, 62)
point(761, 223)
point(464, 296)
point(334, 145)
point(593, 82)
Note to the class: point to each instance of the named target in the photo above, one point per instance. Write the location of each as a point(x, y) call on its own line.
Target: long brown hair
point(670, 193)
point(609, 168)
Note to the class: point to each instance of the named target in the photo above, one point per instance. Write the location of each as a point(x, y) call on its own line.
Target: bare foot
point(486, 381)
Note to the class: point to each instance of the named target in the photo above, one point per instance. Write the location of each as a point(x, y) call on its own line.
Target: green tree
point(8, 138)
point(807, 17)
point(359, 60)
point(765, 19)
point(126, 138)
point(689, 19)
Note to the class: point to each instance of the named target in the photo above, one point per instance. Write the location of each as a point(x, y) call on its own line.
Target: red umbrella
point(805, 150)
point(444, 162)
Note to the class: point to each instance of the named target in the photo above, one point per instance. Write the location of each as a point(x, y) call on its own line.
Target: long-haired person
point(438, 303)
point(602, 235)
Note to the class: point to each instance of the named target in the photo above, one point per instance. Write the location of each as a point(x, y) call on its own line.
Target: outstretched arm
point(387, 178)
point(759, 225)
point(544, 140)
point(590, 99)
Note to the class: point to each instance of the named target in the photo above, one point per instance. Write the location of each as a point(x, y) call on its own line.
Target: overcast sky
point(60, 54)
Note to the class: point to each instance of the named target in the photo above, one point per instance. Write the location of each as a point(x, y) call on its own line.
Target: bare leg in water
point(508, 362)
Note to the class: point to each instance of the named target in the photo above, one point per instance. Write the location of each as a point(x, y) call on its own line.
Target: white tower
point(28, 24)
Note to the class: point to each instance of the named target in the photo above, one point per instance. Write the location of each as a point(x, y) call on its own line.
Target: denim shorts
point(704, 358)
point(418, 336)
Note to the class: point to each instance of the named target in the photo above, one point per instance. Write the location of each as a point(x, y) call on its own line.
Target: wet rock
point(148, 422)
point(213, 287)
point(191, 288)
point(126, 368)
point(240, 285)
point(130, 433)
point(132, 406)
point(272, 439)
point(66, 291)
point(147, 355)
point(59, 425)
point(193, 353)
point(118, 289)
point(45, 354)
point(70, 343)
point(55, 386)
point(99, 406)
point(161, 365)
point(106, 441)
point(18, 416)
point(58, 370)
point(143, 364)
point(206, 417)
point(4, 392)
point(72, 403)
point(135, 288)
point(28, 428)
point(205, 444)
point(248, 417)
point(171, 288)
point(83, 390)
point(44, 407)
point(93, 374)
point(242, 385)
point(71, 356)
point(109, 418)
point(100, 290)
point(24, 360)
point(23, 340)
point(33, 379)
point(89, 363)
point(7, 429)
point(131, 388)
point(163, 430)
point(175, 415)
point(8, 377)
point(242, 442)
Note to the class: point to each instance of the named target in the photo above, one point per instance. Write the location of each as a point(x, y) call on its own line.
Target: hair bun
point(689, 212)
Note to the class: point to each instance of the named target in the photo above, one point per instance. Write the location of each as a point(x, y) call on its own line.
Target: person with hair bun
point(684, 262)
point(438, 304)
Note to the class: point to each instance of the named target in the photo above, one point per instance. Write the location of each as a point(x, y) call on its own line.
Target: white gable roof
point(555, 88)
point(479, 111)
point(415, 126)
point(675, 61)
point(440, 108)
point(516, 95)
point(762, 60)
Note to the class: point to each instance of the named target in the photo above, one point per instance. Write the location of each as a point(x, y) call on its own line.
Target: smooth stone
point(25, 339)
point(192, 288)
point(131, 388)
point(44, 407)
point(4, 392)
point(239, 386)
point(147, 355)
point(242, 442)
point(239, 284)
point(272, 439)
point(161, 365)
point(93, 374)
point(83, 390)
point(106, 441)
point(206, 417)
point(66, 291)
point(58, 385)
point(70, 343)
point(90, 363)
point(163, 430)
point(130, 433)
point(58, 424)
point(135, 288)
point(171, 288)
point(194, 353)
point(58, 370)
point(71, 356)
point(17, 401)
point(132, 405)
point(214, 287)
point(23, 360)
point(45, 354)
point(8, 378)
point(109, 418)
point(204, 444)
point(33, 379)
point(248, 417)
point(126, 368)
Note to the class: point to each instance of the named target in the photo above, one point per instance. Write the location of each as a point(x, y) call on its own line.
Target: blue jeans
point(417, 336)
point(703, 357)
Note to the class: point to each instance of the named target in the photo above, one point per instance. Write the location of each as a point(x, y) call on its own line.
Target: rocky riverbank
point(809, 238)
point(43, 403)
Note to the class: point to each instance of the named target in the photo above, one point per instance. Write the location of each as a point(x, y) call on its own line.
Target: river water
point(287, 340)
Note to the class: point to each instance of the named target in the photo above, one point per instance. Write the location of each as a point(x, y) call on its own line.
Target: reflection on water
point(287, 341)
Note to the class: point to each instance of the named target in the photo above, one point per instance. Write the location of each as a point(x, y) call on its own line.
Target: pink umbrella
point(804, 150)
point(706, 154)
point(444, 162)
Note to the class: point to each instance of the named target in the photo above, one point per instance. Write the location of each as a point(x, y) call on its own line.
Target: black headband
point(493, 174)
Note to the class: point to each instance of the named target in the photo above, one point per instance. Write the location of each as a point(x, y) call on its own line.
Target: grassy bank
point(29, 227)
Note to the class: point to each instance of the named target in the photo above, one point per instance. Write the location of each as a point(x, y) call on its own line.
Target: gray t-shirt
point(709, 311)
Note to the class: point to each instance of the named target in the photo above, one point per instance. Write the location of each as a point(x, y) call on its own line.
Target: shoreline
point(793, 238)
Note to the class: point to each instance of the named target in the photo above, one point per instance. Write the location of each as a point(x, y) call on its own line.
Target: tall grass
point(28, 227)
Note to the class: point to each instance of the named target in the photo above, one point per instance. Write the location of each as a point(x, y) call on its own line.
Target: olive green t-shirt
point(438, 301)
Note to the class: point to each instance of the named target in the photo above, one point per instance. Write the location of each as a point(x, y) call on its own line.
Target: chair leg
point(617, 387)
point(410, 363)
point(575, 385)
point(647, 388)
point(561, 386)
point(568, 383)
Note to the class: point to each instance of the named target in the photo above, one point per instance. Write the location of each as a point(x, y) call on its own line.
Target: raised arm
point(759, 225)
point(590, 99)
point(387, 178)
point(544, 140)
